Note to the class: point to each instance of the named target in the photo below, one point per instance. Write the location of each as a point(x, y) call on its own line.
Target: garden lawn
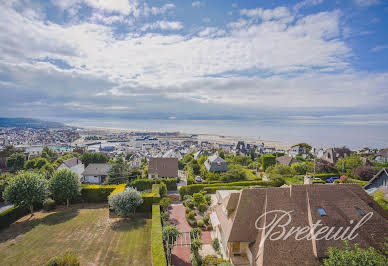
point(85, 230)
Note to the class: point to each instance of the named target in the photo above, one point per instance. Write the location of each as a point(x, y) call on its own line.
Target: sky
point(309, 63)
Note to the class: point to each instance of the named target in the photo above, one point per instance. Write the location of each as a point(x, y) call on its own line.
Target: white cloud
point(379, 48)
point(197, 4)
point(306, 3)
point(122, 6)
point(267, 14)
point(163, 25)
point(366, 3)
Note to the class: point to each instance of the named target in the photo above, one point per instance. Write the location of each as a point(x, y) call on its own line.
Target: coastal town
point(206, 194)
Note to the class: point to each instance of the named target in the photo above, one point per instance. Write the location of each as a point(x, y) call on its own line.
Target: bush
point(364, 172)
point(10, 215)
point(187, 210)
point(68, 259)
point(208, 199)
point(267, 160)
point(196, 233)
point(186, 197)
point(162, 189)
point(200, 223)
point(216, 245)
point(190, 215)
point(210, 260)
point(165, 216)
point(164, 203)
point(198, 199)
point(319, 182)
point(192, 222)
point(124, 203)
point(157, 249)
point(189, 203)
point(48, 204)
point(202, 207)
point(206, 219)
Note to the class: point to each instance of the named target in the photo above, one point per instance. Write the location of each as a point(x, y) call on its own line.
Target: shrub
point(211, 260)
point(198, 199)
point(187, 210)
point(124, 203)
point(319, 182)
point(165, 216)
point(196, 233)
point(65, 185)
point(162, 189)
point(191, 215)
point(164, 203)
point(192, 222)
point(158, 255)
point(48, 204)
point(200, 223)
point(267, 160)
point(202, 207)
point(10, 215)
point(208, 199)
point(68, 259)
point(186, 197)
point(189, 203)
point(190, 180)
point(206, 219)
point(216, 245)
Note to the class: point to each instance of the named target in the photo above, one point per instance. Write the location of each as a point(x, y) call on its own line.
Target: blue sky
point(305, 63)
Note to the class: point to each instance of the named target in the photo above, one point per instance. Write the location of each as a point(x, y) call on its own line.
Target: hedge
point(99, 193)
point(10, 215)
point(144, 184)
point(319, 182)
point(195, 188)
point(321, 176)
point(157, 249)
point(149, 199)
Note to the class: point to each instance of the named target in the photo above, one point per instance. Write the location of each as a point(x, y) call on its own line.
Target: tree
point(348, 163)
point(15, 162)
point(134, 173)
point(267, 160)
point(302, 168)
point(364, 172)
point(281, 170)
point(65, 185)
point(236, 173)
point(118, 173)
point(9, 150)
point(48, 153)
point(5, 179)
point(221, 153)
point(304, 145)
point(162, 189)
point(124, 203)
point(354, 256)
point(323, 166)
point(95, 157)
point(170, 235)
point(26, 189)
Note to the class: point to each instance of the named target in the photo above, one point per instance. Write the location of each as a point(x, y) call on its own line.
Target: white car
point(198, 179)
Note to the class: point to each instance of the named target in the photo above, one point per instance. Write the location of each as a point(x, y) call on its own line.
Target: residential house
point(297, 150)
point(163, 168)
point(215, 163)
point(95, 173)
point(286, 160)
point(243, 239)
point(74, 164)
point(332, 155)
point(382, 156)
point(173, 153)
point(379, 181)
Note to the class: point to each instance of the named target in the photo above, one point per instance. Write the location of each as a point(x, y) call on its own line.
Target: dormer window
point(321, 211)
point(359, 211)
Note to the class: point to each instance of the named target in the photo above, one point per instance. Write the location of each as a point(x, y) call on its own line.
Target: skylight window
point(359, 211)
point(322, 211)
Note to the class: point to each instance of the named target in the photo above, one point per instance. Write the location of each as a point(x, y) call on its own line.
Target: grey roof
point(96, 169)
point(382, 170)
point(285, 159)
point(215, 163)
point(72, 162)
point(383, 152)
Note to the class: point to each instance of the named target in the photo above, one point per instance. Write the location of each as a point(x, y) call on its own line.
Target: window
point(321, 211)
point(360, 211)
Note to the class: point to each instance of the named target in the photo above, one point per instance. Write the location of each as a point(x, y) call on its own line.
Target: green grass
point(86, 231)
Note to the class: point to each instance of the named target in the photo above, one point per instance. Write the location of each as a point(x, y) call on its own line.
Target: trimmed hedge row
point(157, 249)
point(119, 188)
point(212, 190)
point(97, 193)
point(195, 188)
point(144, 184)
point(149, 199)
point(10, 215)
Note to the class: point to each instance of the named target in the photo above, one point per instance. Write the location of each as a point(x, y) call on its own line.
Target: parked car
point(331, 179)
point(198, 179)
point(316, 178)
